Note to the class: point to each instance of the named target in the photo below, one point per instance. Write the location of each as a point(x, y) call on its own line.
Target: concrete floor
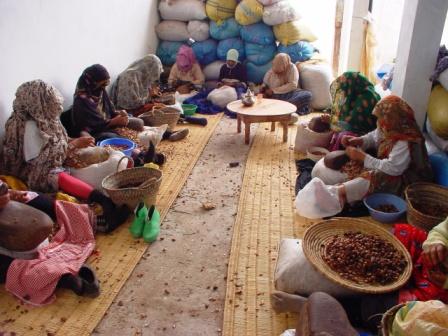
point(178, 288)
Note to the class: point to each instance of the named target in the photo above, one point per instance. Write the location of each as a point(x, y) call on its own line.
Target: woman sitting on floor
point(93, 113)
point(36, 146)
point(136, 86)
point(186, 73)
point(402, 158)
point(233, 73)
point(282, 82)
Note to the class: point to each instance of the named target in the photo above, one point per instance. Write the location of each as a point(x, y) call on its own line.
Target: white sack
point(280, 12)
point(222, 96)
point(173, 31)
point(199, 30)
point(211, 71)
point(307, 138)
point(182, 10)
point(317, 79)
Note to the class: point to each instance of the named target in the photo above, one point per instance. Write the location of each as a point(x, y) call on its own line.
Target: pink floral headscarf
point(185, 58)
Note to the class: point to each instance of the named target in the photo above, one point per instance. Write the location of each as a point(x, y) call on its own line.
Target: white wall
point(54, 40)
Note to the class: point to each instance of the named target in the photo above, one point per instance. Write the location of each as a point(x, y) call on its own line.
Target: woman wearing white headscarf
point(282, 82)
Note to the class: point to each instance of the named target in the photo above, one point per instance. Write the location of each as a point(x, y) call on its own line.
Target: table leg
point(285, 131)
point(247, 132)
point(238, 121)
point(273, 126)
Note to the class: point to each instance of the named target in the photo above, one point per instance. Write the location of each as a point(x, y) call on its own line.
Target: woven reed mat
point(116, 256)
point(265, 215)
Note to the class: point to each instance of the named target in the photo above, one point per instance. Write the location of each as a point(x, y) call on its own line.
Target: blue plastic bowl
point(130, 145)
point(375, 200)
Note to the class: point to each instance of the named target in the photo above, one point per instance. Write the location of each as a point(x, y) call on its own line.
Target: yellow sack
point(219, 10)
point(293, 32)
point(438, 111)
point(428, 318)
point(249, 12)
point(60, 196)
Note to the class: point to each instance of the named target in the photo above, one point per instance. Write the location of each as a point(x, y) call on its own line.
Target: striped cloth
point(34, 281)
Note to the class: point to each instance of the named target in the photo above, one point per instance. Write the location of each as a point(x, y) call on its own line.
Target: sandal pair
point(146, 223)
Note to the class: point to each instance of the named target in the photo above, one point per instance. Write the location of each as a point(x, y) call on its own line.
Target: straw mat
point(115, 257)
point(265, 215)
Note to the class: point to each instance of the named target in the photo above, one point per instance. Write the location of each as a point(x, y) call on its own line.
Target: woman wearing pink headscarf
point(186, 70)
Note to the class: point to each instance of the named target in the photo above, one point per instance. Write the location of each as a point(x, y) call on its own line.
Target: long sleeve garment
point(395, 164)
point(281, 85)
point(438, 235)
point(194, 76)
point(238, 72)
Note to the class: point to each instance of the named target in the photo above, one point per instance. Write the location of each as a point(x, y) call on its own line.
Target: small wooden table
point(264, 110)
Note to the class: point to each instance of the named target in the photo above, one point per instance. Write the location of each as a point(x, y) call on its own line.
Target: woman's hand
point(348, 140)
point(83, 142)
point(268, 93)
point(355, 154)
point(326, 118)
point(119, 120)
point(4, 199)
point(437, 277)
point(18, 196)
point(435, 254)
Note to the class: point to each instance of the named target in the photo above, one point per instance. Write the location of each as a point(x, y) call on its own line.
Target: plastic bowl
point(130, 145)
point(375, 200)
point(316, 153)
point(189, 109)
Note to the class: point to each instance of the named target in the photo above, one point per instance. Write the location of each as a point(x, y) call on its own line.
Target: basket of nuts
point(358, 255)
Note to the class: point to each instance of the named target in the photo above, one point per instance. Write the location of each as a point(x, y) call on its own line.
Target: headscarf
point(354, 98)
point(232, 55)
point(282, 70)
point(130, 90)
point(42, 103)
point(185, 58)
point(281, 64)
point(89, 82)
point(396, 122)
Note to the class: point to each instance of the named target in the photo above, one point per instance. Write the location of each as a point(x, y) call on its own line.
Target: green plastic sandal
point(152, 225)
point(141, 213)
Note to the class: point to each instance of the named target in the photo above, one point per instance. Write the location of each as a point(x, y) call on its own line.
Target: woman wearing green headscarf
point(354, 98)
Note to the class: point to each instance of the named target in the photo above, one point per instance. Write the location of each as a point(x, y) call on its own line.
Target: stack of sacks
point(225, 30)
point(260, 48)
point(181, 21)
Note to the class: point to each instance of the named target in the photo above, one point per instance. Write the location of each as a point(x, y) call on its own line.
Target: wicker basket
point(320, 233)
point(426, 194)
point(145, 184)
point(388, 319)
point(160, 116)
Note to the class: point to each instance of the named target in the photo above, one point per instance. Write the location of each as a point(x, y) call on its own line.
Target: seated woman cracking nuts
point(401, 159)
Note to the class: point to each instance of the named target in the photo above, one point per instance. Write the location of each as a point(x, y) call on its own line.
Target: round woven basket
point(426, 194)
point(160, 116)
point(133, 185)
point(318, 235)
point(388, 319)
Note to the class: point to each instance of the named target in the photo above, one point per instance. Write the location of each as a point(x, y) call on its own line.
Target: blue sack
point(439, 164)
point(232, 43)
point(205, 51)
point(300, 52)
point(259, 33)
point(227, 29)
point(167, 52)
point(255, 73)
point(260, 54)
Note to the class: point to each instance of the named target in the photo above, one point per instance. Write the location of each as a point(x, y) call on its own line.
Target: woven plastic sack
point(211, 71)
point(300, 52)
point(218, 10)
point(258, 33)
point(174, 31)
point(167, 52)
point(185, 10)
point(255, 73)
point(307, 138)
point(293, 32)
point(294, 274)
point(226, 29)
point(222, 96)
point(205, 51)
point(438, 111)
point(317, 79)
point(260, 54)
point(199, 30)
point(279, 13)
point(249, 12)
point(232, 43)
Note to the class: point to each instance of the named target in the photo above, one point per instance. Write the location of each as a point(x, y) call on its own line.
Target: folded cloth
point(34, 281)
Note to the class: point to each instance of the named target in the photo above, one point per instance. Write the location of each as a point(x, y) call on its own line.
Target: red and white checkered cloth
point(34, 281)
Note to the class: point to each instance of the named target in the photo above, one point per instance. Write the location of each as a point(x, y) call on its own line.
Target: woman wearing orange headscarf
point(401, 157)
point(282, 82)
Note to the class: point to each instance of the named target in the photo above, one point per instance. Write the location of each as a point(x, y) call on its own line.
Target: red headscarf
point(185, 58)
point(397, 122)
